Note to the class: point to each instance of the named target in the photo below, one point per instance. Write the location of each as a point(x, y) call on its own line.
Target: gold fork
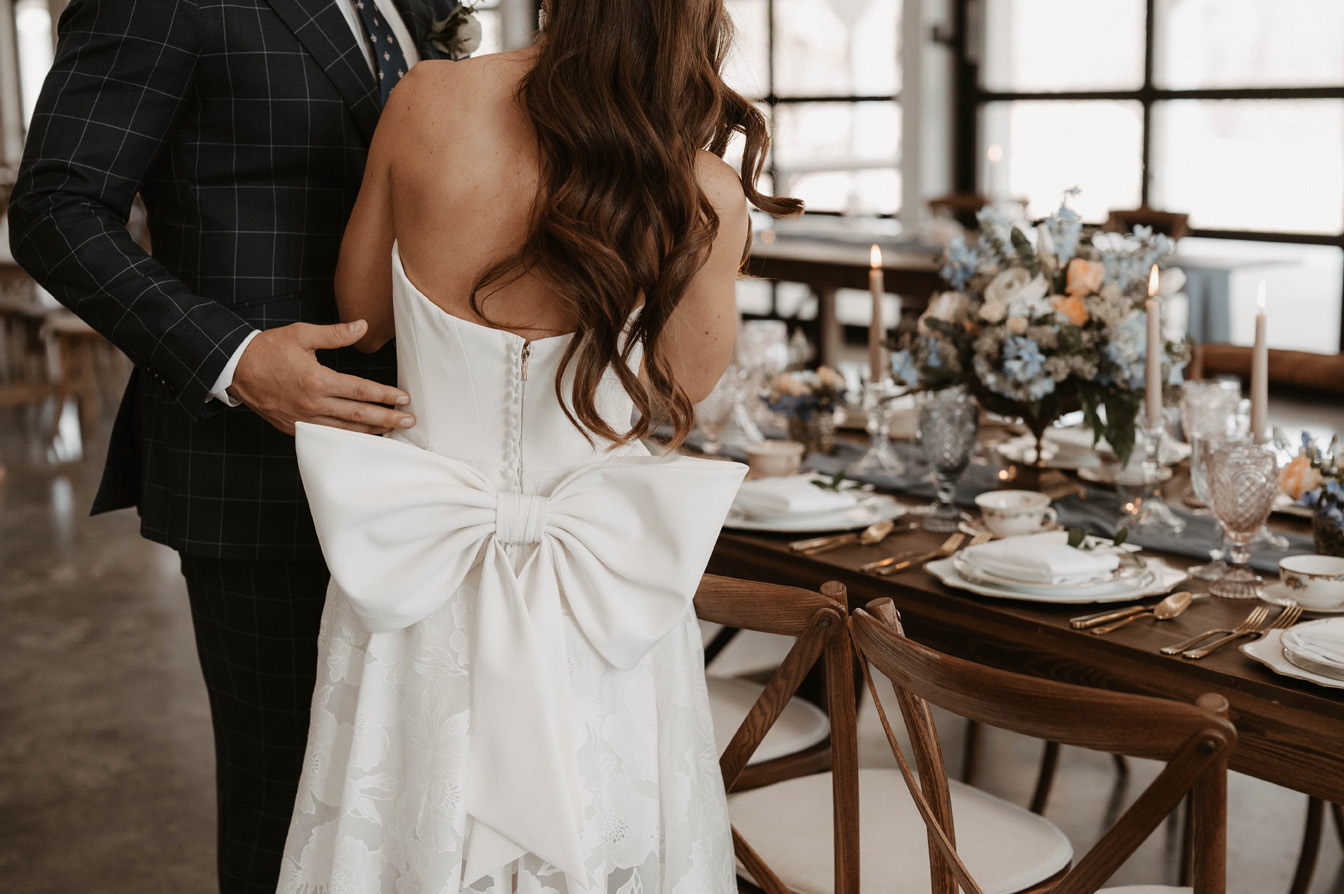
point(940, 553)
point(905, 560)
point(1285, 617)
point(1252, 622)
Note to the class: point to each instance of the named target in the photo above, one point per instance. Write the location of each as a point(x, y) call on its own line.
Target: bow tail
point(523, 791)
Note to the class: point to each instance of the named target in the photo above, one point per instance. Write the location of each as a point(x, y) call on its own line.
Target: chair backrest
point(1192, 739)
point(1168, 223)
point(817, 623)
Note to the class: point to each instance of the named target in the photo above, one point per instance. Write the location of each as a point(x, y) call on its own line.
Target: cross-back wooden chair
point(817, 623)
point(1193, 740)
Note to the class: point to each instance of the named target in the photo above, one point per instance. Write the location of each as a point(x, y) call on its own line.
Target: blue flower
point(1022, 358)
point(1176, 375)
point(960, 264)
point(904, 369)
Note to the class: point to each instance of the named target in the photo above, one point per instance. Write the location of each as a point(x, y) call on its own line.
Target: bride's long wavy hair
point(623, 95)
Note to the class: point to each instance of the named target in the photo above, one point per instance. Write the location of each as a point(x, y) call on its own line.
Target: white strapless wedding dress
point(510, 691)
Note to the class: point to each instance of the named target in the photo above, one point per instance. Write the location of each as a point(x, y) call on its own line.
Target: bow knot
point(520, 518)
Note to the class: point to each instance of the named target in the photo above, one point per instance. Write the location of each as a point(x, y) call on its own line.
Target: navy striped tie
point(387, 54)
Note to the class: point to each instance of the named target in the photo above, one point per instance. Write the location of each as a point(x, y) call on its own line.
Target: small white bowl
point(772, 459)
point(1009, 513)
point(1314, 581)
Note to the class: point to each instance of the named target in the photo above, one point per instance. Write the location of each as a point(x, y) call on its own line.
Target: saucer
point(1279, 594)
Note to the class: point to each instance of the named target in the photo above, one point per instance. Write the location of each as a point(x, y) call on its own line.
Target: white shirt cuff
point(220, 391)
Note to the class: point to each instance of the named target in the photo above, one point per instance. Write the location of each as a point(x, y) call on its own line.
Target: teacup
point(1315, 581)
point(1008, 513)
point(772, 459)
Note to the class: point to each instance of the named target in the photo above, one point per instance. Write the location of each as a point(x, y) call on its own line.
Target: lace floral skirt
point(380, 807)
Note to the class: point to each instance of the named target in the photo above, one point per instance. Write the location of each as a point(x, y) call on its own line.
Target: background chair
point(1168, 223)
point(1193, 740)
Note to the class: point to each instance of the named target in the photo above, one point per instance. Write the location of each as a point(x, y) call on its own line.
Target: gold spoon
point(1165, 610)
point(874, 533)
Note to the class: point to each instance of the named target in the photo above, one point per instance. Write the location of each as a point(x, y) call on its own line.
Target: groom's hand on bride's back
point(278, 378)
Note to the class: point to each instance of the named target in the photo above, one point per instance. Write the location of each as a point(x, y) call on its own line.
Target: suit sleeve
point(123, 73)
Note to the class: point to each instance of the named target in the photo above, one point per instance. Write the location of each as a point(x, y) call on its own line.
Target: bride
point(510, 690)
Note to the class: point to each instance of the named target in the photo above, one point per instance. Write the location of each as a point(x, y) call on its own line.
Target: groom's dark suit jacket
point(244, 124)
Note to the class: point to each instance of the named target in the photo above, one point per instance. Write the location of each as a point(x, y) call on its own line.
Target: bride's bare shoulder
point(437, 86)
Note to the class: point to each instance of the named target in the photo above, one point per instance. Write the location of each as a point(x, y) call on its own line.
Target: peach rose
point(1084, 277)
point(1299, 476)
point(1070, 306)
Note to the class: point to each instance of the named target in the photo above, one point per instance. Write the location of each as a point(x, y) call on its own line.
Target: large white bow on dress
point(624, 541)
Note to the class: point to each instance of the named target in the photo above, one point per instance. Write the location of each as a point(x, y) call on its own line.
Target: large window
point(827, 73)
point(1229, 110)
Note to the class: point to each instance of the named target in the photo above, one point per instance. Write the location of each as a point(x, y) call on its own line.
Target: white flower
point(993, 312)
point(458, 35)
point(1015, 285)
point(1171, 282)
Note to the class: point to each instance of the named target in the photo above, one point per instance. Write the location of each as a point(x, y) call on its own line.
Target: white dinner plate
point(1279, 594)
point(1268, 650)
point(1286, 505)
point(879, 507)
point(1164, 577)
point(1132, 573)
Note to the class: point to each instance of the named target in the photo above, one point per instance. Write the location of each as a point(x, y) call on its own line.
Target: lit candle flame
point(1152, 282)
point(1260, 296)
point(995, 153)
point(875, 257)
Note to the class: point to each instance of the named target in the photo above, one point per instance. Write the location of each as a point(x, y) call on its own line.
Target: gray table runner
point(1097, 514)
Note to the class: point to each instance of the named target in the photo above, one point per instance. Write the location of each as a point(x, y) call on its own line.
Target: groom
point(244, 125)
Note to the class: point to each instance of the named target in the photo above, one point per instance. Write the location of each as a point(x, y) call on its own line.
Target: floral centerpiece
point(1313, 479)
point(810, 401)
point(1036, 329)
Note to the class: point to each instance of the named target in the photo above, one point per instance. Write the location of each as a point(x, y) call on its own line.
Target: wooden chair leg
point(1183, 869)
point(1045, 777)
point(1338, 813)
point(1311, 847)
point(970, 753)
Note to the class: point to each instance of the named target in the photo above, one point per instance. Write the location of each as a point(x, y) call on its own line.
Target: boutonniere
point(457, 35)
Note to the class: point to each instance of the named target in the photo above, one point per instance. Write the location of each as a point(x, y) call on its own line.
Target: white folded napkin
point(790, 495)
point(1042, 559)
point(1321, 641)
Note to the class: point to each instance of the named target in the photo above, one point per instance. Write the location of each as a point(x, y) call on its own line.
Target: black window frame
point(972, 97)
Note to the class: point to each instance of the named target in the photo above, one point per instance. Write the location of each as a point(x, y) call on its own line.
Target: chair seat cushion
point(800, 726)
point(1005, 847)
point(1147, 889)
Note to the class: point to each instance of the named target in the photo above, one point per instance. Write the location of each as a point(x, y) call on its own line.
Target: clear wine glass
point(1243, 479)
point(715, 412)
point(762, 353)
point(1208, 415)
point(947, 430)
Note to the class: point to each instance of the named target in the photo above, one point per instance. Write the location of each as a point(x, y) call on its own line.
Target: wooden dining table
point(1291, 732)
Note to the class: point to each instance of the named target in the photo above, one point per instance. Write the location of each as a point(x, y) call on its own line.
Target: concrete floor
point(105, 757)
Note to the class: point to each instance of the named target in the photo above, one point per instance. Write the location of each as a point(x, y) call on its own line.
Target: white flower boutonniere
point(458, 35)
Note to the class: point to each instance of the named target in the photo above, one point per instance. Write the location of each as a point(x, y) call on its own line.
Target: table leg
point(828, 329)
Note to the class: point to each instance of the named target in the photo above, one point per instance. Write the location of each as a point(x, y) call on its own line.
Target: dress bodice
point(487, 396)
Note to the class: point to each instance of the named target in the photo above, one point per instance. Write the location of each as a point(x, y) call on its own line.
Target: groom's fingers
point(361, 414)
point(355, 388)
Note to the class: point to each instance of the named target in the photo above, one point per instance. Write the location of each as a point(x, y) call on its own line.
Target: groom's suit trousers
point(256, 627)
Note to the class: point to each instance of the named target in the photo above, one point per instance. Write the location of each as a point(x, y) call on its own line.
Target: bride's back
point(465, 178)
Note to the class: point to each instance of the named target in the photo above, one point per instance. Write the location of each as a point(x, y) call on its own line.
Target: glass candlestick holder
point(1146, 511)
point(880, 458)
